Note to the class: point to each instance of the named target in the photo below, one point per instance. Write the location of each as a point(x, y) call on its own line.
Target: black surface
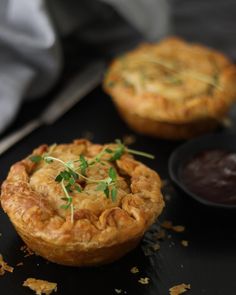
point(208, 263)
point(181, 155)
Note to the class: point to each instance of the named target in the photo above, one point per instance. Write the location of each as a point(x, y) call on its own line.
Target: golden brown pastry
point(172, 89)
point(81, 203)
point(40, 286)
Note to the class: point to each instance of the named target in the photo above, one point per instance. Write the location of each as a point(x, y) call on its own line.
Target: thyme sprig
point(76, 170)
point(68, 200)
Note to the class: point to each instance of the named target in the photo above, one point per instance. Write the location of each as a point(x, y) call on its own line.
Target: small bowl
point(186, 151)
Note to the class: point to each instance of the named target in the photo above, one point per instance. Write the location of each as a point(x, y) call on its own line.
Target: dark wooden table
point(208, 263)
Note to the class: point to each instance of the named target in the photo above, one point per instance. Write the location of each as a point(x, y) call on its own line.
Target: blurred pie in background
point(172, 89)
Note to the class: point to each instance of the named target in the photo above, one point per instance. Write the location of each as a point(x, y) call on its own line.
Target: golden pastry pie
point(172, 89)
point(81, 203)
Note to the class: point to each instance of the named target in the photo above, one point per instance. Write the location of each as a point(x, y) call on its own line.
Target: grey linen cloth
point(29, 54)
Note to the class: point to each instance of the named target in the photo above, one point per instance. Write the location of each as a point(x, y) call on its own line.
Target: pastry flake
point(144, 281)
point(40, 287)
point(179, 289)
point(4, 267)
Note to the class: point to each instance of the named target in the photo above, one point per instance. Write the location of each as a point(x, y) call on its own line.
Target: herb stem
point(69, 201)
point(131, 151)
point(64, 189)
point(57, 160)
point(74, 170)
point(98, 157)
point(86, 178)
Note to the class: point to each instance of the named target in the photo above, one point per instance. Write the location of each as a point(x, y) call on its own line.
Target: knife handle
point(19, 134)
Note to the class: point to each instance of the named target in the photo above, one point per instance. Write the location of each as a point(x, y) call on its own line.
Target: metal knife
point(79, 87)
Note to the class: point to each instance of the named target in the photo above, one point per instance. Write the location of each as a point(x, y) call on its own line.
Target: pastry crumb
point(147, 250)
point(161, 234)
point(226, 122)
point(164, 182)
point(184, 243)
point(4, 266)
point(167, 224)
point(40, 286)
point(19, 264)
point(156, 247)
point(25, 249)
point(144, 281)
point(129, 139)
point(178, 228)
point(167, 197)
point(134, 269)
point(179, 289)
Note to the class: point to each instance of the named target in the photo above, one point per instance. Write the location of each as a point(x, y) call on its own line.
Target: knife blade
point(83, 83)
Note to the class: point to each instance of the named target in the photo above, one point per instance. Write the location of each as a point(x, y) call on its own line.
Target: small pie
point(81, 203)
point(172, 89)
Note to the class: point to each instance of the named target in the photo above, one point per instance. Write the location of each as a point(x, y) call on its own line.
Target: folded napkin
point(30, 59)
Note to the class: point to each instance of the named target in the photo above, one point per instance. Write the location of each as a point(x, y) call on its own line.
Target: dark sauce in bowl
point(211, 175)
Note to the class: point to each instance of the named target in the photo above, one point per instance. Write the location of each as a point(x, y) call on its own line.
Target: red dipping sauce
point(211, 175)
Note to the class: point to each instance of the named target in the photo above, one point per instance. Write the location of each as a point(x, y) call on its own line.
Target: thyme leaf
point(112, 174)
point(36, 158)
point(101, 186)
point(83, 164)
point(113, 194)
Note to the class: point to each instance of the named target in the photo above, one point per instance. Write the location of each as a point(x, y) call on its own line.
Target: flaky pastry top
point(33, 199)
point(173, 81)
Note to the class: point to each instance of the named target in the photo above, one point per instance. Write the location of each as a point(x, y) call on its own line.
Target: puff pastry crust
point(172, 84)
point(103, 230)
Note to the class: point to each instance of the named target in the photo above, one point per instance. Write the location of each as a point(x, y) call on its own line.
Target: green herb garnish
point(68, 199)
point(36, 159)
point(77, 170)
point(83, 165)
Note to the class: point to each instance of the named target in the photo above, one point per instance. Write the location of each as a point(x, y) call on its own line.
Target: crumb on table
point(167, 224)
point(40, 286)
point(4, 266)
point(161, 234)
point(179, 289)
point(25, 249)
point(184, 243)
point(129, 139)
point(134, 269)
point(144, 281)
